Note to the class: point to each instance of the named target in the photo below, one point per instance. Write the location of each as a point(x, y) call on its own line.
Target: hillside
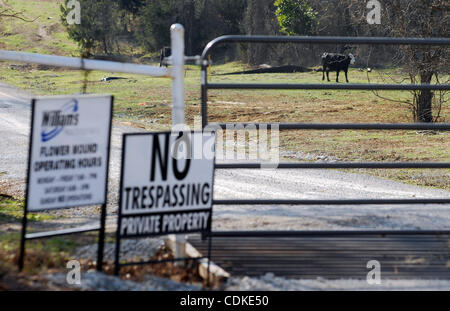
point(45, 34)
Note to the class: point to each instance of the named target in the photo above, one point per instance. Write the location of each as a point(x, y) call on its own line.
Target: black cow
point(165, 52)
point(336, 62)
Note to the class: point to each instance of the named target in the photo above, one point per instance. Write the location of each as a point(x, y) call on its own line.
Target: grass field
point(38, 259)
point(45, 35)
point(146, 102)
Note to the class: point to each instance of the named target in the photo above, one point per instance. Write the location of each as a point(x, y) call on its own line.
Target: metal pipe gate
point(176, 73)
point(325, 126)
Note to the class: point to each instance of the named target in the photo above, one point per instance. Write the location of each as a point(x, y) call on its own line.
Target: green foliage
point(99, 27)
point(146, 23)
point(296, 17)
point(12, 209)
point(131, 5)
point(203, 21)
point(155, 19)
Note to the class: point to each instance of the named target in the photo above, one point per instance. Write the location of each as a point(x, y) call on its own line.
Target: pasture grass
point(145, 102)
point(12, 210)
point(42, 254)
point(45, 34)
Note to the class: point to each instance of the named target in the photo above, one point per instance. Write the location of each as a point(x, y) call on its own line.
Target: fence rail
point(84, 64)
point(332, 202)
point(335, 126)
point(348, 86)
point(337, 165)
point(322, 40)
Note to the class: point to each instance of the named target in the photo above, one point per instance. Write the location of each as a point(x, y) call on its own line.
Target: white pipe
point(84, 64)
point(177, 38)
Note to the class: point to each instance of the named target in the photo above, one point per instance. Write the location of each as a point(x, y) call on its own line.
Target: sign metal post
point(166, 187)
point(68, 161)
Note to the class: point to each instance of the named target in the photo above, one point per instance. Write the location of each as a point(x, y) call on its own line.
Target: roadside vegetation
point(43, 255)
point(50, 255)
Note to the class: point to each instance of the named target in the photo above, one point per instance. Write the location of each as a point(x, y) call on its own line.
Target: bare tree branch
point(10, 13)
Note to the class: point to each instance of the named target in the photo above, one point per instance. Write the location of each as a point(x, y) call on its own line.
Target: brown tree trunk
point(424, 100)
point(105, 46)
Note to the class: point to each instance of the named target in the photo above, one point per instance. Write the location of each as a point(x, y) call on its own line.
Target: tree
point(260, 19)
point(99, 28)
point(296, 17)
point(155, 19)
point(131, 5)
point(203, 20)
point(425, 19)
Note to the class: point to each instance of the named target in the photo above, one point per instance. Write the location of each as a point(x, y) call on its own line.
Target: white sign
point(167, 183)
point(69, 151)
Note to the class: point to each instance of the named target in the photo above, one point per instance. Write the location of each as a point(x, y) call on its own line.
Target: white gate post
point(177, 38)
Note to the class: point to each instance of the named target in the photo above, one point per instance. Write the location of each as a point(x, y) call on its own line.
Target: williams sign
point(69, 152)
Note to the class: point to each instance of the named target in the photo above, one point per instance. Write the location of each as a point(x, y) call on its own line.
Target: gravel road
point(285, 184)
point(323, 184)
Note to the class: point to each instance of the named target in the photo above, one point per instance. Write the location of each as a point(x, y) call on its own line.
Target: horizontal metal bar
point(333, 126)
point(370, 165)
point(320, 233)
point(85, 64)
point(332, 86)
point(48, 234)
point(330, 40)
point(150, 262)
point(323, 40)
point(332, 202)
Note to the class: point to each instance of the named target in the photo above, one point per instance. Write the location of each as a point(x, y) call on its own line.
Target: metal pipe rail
point(334, 126)
point(325, 233)
point(335, 165)
point(332, 202)
point(322, 40)
point(85, 64)
point(314, 86)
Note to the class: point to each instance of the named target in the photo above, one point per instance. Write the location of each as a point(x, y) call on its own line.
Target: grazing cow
point(336, 62)
point(165, 52)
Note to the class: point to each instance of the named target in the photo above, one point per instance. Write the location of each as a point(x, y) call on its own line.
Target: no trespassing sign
point(166, 184)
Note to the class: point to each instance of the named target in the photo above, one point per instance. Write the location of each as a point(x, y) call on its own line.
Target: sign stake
point(163, 192)
point(22, 239)
point(68, 161)
point(101, 239)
